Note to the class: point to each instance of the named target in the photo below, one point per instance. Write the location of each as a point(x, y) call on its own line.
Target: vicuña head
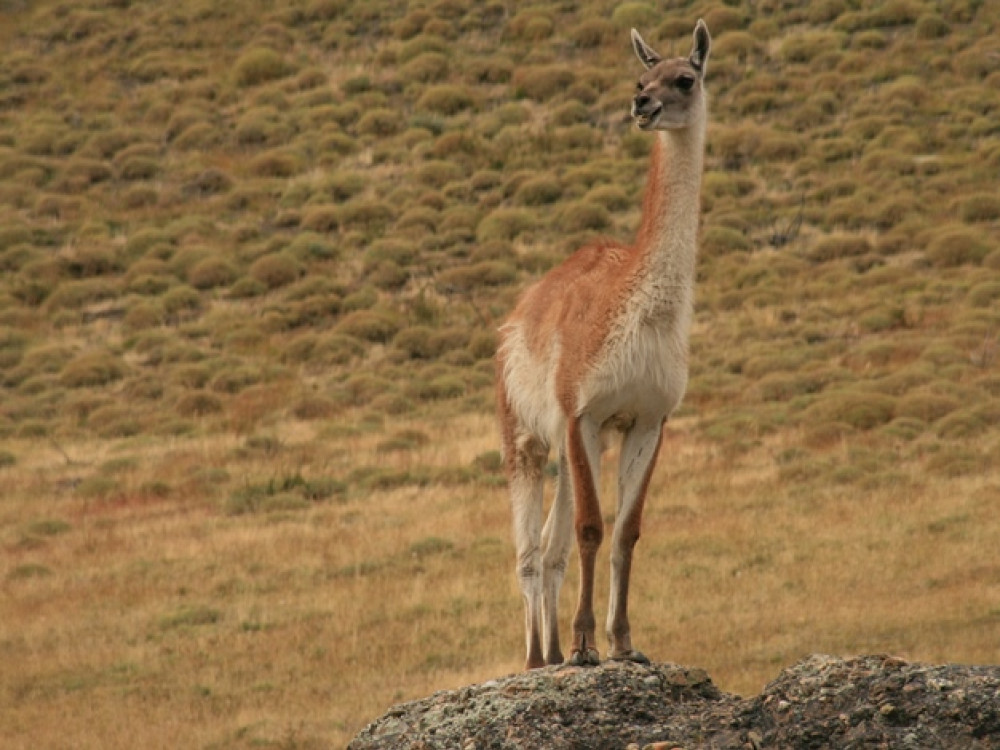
point(598, 344)
point(669, 95)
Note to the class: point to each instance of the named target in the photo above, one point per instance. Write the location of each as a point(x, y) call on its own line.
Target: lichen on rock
point(820, 702)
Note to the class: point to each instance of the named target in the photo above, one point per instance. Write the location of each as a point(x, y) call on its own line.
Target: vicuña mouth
point(645, 119)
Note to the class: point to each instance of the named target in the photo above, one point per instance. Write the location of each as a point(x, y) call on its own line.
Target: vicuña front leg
point(640, 447)
point(583, 445)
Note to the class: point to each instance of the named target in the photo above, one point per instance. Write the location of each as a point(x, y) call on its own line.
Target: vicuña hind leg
point(557, 541)
point(526, 499)
point(640, 447)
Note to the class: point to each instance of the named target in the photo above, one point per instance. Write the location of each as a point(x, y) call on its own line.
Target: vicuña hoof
point(587, 657)
point(636, 657)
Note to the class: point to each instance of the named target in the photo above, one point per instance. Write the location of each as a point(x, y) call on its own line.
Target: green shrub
point(276, 269)
point(437, 173)
point(190, 616)
point(717, 240)
point(399, 252)
point(26, 571)
point(418, 218)
point(931, 26)
point(362, 388)
point(94, 368)
point(736, 45)
point(858, 409)
point(488, 69)
point(592, 32)
point(321, 218)
point(775, 146)
point(361, 299)
point(416, 342)
point(211, 272)
point(322, 350)
point(722, 20)
point(235, 379)
point(957, 245)
point(883, 319)
point(343, 185)
point(583, 216)
point(370, 215)
point(832, 247)
point(373, 325)
point(423, 43)
point(611, 197)
point(114, 421)
point(905, 428)
point(897, 12)
point(783, 386)
point(275, 163)
point(445, 99)
point(804, 47)
point(211, 181)
point(484, 274)
point(985, 294)
point(260, 65)
point(963, 423)
point(570, 113)
point(310, 246)
point(634, 15)
point(262, 126)
point(143, 315)
point(388, 275)
point(79, 293)
point(538, 191)
point(979, 207)
point(138, 168)
point(314, 407)
point(147, 239)
point(198, 404)
point(337, 143)
point(412, 23)
point(80, 173)
point(956, 462)
point(543, 81)
point(426, 68)
point(200, 135)
point(381, 122)
point(441, 387)
point(925, 406)
point(181, 300)
point(531, 25)
point(458, 144)
point(505, 224)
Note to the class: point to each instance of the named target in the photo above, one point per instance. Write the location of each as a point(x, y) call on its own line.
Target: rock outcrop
point(821, 702)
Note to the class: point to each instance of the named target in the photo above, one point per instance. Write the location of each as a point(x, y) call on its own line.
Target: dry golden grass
point(152, 618)
point(252, 261)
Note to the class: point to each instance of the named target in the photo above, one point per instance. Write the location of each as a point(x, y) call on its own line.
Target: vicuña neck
point(667, 238)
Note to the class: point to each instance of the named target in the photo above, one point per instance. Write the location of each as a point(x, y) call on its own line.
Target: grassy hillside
point(251, 264)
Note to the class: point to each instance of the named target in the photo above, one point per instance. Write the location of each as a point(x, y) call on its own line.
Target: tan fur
point(599, 343)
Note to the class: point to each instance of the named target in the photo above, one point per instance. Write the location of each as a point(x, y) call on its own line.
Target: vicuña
point(600, 343)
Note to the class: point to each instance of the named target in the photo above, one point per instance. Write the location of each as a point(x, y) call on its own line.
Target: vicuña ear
point(646, 54)
point(702, 45)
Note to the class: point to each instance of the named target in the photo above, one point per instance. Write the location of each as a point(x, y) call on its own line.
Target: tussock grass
point(269, 248)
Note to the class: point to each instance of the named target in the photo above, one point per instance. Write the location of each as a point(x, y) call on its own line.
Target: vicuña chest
point(643, 369)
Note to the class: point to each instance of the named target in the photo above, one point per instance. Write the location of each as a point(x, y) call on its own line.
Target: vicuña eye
point(638, 86)
point(684, 83)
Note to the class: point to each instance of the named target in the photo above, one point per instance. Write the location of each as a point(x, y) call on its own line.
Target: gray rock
point(821, 702)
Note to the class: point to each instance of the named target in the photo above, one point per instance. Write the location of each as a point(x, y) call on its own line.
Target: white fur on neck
point(643, 369)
